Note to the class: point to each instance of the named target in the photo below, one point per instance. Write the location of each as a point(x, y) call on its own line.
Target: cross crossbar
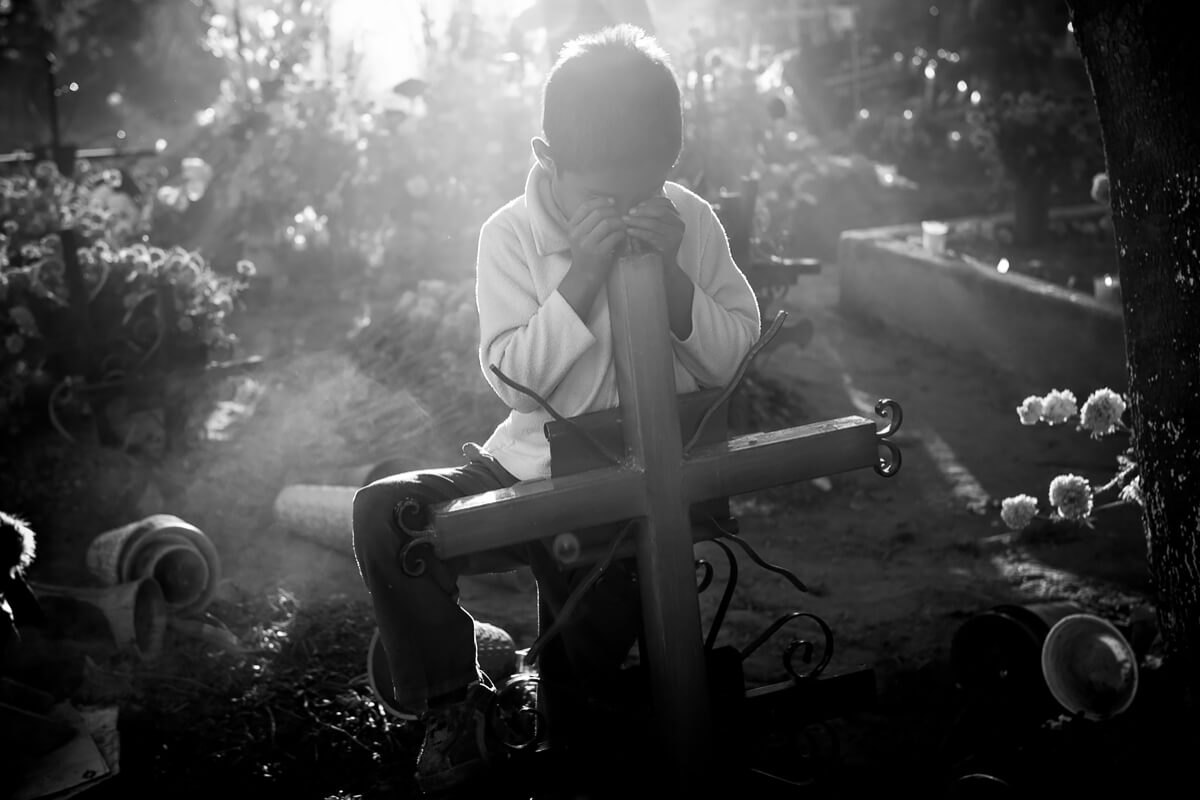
point(745, 463)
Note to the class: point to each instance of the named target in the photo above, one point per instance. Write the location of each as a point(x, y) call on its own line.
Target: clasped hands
point(597, 229)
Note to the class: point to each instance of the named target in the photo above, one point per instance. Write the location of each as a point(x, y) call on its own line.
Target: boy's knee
point(375, 508)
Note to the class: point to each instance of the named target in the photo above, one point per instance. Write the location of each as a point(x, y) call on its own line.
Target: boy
point(612, 131)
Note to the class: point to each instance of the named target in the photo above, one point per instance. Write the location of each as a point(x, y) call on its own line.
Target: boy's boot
point(453, 750)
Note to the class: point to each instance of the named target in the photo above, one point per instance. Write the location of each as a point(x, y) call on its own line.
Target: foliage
point(1037, 137)
point(143, 301)
point(285, 710)
point(931, 148)
point(399, 189)
point(1014, 45)
point(115, 62)
point(744, 120)
point(1072, 497)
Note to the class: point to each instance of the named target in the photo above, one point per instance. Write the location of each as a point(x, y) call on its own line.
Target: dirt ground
point(895, 565)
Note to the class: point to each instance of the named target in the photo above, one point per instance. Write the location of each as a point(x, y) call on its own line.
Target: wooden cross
point(655, 484)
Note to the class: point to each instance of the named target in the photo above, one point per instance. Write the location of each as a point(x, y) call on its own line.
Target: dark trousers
point(428, 637)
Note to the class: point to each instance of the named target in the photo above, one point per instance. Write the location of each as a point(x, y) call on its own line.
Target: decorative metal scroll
point(890, 410)
point(805, 647)
point(417, 537)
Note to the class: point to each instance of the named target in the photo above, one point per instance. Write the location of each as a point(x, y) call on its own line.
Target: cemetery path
point(894, 565)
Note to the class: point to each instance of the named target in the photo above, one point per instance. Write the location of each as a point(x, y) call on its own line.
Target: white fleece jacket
point(532, 334)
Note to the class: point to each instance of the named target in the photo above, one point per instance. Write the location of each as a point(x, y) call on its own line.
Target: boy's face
point(628, 186)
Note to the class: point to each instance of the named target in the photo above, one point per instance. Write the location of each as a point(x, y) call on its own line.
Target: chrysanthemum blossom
point(1101, 413)
point(1059, 406)
point(1030, 410)
point(1017, 512)
point(1071, 496)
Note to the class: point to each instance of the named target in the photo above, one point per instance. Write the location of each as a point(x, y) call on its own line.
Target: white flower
point(1071, 496)
point(1017, 512)
point(1132, 491)
point(417, 186)
point(1101, 413)
point(1030, 410)
point(1059, 406)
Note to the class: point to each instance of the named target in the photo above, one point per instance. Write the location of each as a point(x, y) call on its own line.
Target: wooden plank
point(535, 509)
point(666, 564)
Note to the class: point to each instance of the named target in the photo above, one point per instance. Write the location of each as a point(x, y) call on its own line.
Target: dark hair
point(611, 99)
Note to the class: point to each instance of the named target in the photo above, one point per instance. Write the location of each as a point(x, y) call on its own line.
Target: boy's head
point(611, 118)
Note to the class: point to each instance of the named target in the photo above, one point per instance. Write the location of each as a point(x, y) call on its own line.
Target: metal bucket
point(1089, 667)
point(998, 654)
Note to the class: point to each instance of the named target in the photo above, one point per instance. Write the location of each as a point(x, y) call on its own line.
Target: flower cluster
point(1100, 416)
point(1101, 413)
point(147, 306)
point(1072, 497)
point(1018, 511)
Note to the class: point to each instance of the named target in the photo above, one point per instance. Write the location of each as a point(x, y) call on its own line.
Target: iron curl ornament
point(890, 410)
point(417, 537)
point(805, 646)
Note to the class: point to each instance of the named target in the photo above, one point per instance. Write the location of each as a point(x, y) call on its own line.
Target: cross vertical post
point(654, 484)
point(666, 564)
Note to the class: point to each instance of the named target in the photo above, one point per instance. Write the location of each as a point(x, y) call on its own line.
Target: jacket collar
point(545, 218)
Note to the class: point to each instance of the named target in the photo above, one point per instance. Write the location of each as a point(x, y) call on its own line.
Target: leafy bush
point(744, 119)
point(313, 181)
point(1037, 137)
point(150, 309)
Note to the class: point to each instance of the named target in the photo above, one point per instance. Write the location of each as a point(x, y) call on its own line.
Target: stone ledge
point(1044, 335)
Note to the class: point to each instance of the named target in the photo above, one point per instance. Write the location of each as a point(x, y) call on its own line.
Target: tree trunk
point(1140, 57)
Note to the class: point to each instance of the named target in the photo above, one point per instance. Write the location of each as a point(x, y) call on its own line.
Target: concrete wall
point(1047, 337)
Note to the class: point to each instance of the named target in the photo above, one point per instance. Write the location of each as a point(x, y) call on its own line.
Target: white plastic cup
point(933, 237)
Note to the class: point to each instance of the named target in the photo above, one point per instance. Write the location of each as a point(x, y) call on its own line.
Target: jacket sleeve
point(725, 318)
point(534, 343)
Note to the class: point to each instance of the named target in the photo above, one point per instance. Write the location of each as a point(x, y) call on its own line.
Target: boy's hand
point(595, 231)
point(657, 222)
